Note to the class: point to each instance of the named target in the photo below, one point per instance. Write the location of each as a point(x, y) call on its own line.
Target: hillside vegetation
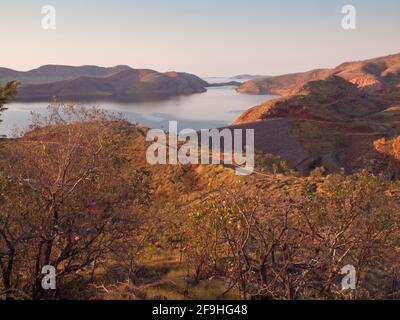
point(76, 192)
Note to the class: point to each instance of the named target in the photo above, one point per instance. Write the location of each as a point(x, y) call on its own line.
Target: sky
point(205, 37)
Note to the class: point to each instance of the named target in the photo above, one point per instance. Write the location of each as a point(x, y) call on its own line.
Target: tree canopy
point(6, 93)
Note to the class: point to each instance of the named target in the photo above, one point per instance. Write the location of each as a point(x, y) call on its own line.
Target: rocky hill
point(333, 99)
point(371, 75)
point(333, 116)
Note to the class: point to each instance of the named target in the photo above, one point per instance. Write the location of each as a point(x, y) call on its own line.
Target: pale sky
point(205, 37)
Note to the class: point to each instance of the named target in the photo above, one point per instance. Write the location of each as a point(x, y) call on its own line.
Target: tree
point(69, 199)
point(390, 149)
point(6, 93)
point(294, 245)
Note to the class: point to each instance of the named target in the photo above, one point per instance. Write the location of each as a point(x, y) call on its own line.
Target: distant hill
point(53, 73)
point(247, 77)
point(373, 74)
point(224, 84)
point(92, 83)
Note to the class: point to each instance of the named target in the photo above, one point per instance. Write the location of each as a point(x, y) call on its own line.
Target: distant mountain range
point(247, 77)
point(53, 73)
point(93, 82)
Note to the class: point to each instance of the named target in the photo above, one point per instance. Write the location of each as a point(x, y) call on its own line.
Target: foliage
point(6, 93)
point(77, 193)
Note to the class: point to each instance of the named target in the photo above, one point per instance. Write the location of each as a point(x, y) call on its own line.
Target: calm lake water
point(217, 107)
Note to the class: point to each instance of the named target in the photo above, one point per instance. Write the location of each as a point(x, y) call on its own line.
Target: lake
point(216, 108)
